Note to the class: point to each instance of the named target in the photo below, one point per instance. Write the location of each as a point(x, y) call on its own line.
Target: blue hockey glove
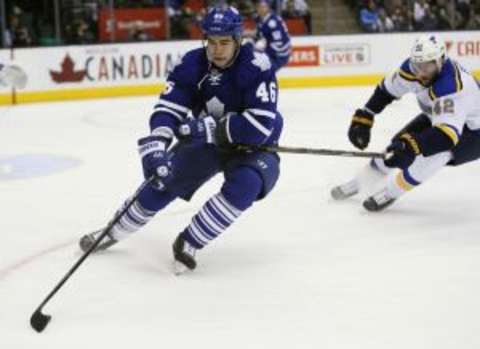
point(200, 130)
point(402, 152)
point(156, 161)
point(205, 130)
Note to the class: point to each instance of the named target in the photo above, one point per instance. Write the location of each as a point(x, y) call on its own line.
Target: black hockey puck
point(39, 321)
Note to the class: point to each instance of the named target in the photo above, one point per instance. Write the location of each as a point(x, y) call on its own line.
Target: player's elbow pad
point(379, 100)
point(435, 140)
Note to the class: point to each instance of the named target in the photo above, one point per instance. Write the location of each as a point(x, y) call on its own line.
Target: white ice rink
point(296, 271)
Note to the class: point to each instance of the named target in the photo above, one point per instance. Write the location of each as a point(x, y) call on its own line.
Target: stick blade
point(39, 321)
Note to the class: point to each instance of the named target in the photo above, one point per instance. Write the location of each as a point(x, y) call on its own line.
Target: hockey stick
point(311, 151)
point(38, 320)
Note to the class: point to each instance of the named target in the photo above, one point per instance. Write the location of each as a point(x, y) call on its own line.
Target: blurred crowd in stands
point(59, 22)
point(33, 23)
point(417, 15)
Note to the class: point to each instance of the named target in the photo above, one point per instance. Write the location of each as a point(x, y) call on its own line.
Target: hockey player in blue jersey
point(272, 35)
point(447, 132)
point(218, 96)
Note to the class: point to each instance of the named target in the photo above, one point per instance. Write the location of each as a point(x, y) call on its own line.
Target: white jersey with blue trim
point(451, 102)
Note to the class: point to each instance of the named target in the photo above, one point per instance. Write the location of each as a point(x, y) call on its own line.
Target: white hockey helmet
point(428, 48)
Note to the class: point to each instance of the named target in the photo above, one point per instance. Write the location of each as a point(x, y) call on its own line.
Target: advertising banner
point(141, 68)
point(128, 22)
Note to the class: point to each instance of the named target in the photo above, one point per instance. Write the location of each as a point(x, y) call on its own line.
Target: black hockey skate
point(184, 255)
point(87, 241)
point(378, 202)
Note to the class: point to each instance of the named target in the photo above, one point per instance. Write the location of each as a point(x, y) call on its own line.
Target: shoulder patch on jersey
point(187, 69)
point(250, 66)
point(261, 61)
point(449, 81)
point(406, 73)
point(272, 23)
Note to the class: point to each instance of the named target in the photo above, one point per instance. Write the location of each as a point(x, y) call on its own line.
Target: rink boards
point(97, 71)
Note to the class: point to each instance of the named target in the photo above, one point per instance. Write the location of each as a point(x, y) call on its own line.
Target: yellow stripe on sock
point(402, 183)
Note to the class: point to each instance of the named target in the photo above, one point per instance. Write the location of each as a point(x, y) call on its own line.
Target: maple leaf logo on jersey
point(262, 61)
point(215, 108)
point(68, 72)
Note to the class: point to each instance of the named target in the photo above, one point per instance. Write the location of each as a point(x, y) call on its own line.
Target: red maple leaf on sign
point(68, 72)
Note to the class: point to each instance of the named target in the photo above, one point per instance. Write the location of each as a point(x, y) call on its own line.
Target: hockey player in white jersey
point(13, 76)
point(447, 132)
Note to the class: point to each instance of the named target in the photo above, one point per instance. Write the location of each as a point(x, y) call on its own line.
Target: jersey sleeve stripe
point(262, 112)
point(409, 77)
point(280, 46)
point(256, 124)
point(169, 111)
point(283, 54)
point(450, 131)
point(173, 106)
point(458, 79)
point(432, 94)
point(163, 131)
point(229, 134)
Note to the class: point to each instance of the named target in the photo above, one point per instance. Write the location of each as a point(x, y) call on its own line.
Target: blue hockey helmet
point(223, 21)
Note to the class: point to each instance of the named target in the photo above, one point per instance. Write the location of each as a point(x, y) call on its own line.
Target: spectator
point(420, 9)
point(179, 19)
point(80, 33)
point(245, 7)
point(20, 36)
point(475, 22)
point(369, 17)
point(444, 20)
point(464, 9)
point(385, 23)
point(400, 20)
point(430, 20)
point(297, 8)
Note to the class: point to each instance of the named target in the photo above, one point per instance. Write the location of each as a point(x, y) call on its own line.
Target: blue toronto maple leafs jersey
point(273, 30)
point(245, 93)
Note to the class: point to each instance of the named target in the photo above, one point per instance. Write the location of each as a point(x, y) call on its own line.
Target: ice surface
point(296, 271)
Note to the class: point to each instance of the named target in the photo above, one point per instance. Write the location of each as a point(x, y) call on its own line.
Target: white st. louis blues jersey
point(451, 102)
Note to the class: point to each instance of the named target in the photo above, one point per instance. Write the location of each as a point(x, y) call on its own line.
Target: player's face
point(221, 49)
point(262, 9)
point(425, 71)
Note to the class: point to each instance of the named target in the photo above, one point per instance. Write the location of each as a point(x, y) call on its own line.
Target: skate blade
point(179, 268)
point(338, 194)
